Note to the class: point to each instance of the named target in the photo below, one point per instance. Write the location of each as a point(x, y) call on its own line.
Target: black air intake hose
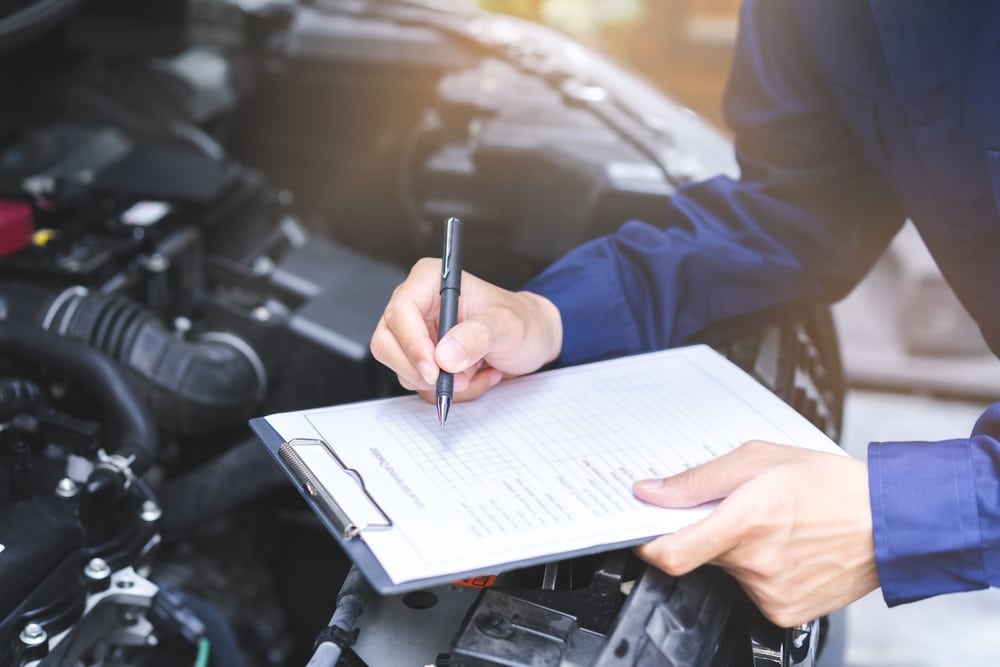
point(192, 387)
point(238, 476)
point(129, 418)
point(17, 395)
point(30, 20)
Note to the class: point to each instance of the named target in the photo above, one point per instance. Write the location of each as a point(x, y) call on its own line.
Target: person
point(848, 118)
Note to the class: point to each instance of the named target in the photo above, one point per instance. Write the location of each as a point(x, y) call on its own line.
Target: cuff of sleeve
point(593, 313)
point(925, 519)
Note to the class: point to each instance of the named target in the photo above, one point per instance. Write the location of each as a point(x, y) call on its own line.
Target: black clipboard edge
point(355, 548)
point(365, 560)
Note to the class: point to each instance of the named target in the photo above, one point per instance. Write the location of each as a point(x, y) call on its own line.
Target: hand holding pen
point(502, 333)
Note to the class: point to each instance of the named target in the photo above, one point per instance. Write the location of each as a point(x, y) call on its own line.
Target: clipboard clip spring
point(315, 490)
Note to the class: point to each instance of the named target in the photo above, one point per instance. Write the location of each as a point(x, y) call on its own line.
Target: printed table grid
point(584, 433)
point(589, 427)
point(482, 458)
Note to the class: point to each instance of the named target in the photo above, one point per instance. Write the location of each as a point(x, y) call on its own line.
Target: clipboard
point(556, 451)
point(333, 517)
point(349, 533)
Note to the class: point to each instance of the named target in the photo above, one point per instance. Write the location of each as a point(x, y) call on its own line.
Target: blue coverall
point(849, 116)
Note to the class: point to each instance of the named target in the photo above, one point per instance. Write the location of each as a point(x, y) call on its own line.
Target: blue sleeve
point(936, 513)
point(807, 218)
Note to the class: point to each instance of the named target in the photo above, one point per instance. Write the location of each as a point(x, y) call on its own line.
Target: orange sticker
point(482, 581)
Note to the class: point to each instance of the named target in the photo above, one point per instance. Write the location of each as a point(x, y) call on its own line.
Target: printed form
point(541, 466)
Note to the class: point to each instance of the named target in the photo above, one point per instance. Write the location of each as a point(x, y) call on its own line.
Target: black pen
point(451, 287)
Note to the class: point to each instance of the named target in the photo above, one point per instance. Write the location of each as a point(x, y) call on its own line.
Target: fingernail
point(427, 371)
point(450, 353)
point(648, 484)
point(495, 378)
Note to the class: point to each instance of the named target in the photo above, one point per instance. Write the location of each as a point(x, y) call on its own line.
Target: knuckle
point(388, 319)
point(763, 528)
point(473, 392)
point(671, 561)
point(689, 480)
point(764, 565)
point(472, 370)
point(424, 264)
point(777, 596)
point(475, 335)
point(379, 344)
point(783, 617)
point(755, 447)
point(682, 484)
point(411, 349)
point(671, 566)
point(771, 605)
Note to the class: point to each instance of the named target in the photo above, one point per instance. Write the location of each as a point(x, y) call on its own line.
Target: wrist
point(547, 323)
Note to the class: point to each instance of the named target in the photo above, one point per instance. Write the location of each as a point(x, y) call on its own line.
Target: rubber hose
point(351, 602)
point(214, 489)
point(225, 644)
point(37, 18)
point(136, 432)
point(191, 387)
point(17, 395)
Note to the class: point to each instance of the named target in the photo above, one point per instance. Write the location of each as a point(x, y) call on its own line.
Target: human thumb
point(709, 481)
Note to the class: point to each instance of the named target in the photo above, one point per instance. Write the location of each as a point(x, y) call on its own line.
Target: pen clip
point(449, 245)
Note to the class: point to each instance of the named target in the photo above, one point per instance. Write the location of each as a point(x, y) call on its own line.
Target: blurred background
point(916, 364)
point(683, 46)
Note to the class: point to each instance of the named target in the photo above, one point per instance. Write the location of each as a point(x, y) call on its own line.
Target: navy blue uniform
point(849, 117)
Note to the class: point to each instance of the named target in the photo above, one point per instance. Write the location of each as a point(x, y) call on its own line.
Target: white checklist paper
point(541, 466)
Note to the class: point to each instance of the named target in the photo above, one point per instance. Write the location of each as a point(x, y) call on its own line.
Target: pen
point(451, 287)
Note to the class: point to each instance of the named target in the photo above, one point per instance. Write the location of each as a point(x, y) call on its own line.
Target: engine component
point(16, 226)
point(115, 610)
point(483, 118)
point(24, 21)
point(191, 387)
point(136, 438)
point(665, 621)
point(70, 500)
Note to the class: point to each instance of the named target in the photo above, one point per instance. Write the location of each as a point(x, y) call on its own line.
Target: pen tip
point(443, 405)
